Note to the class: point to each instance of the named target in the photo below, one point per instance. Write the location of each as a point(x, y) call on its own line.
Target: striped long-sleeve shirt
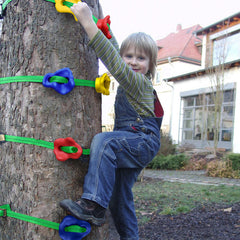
point(138, 87)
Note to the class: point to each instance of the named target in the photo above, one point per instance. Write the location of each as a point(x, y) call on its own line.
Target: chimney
point(179, 28)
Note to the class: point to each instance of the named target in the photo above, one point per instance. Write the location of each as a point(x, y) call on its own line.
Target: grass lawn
point(158, 197)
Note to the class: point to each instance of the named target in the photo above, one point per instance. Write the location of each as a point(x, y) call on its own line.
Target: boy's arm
point(84, 16)
point(132, 82)
point(114, 42)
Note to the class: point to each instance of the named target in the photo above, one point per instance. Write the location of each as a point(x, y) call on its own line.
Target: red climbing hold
point(64, 142)
point(102, 24)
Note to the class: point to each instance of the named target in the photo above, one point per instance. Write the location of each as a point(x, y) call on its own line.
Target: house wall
point(204, 51)
point(193, 84)
point(175, 68)
point(236, 134)
point(108, 106)
point(165, 89)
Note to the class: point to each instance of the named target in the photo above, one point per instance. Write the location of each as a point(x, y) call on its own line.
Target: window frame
point(204, 139)
point(223, 35)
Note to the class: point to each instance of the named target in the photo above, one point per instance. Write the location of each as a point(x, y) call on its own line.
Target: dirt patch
point(203, 223)
point(206, 222)
point(213, 222)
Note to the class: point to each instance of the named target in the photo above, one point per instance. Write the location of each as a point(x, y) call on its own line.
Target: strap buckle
point(4, 212)
point(2, 138)
point(2, 11)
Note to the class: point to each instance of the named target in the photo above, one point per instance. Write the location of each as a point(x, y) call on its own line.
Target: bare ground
point(208, 222)
point(217, 222)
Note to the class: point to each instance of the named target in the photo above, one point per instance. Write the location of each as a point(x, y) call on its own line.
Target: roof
point(180, 45)
point(219, 24)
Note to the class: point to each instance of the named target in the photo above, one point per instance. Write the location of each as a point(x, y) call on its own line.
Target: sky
point(159, 18)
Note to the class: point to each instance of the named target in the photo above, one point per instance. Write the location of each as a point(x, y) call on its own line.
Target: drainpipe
point(170, 124)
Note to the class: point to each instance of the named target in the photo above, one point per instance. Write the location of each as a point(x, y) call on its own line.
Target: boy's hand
point(82, 12)
point(84, 15)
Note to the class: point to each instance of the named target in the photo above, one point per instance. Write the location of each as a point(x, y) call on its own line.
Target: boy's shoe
point(85, 210)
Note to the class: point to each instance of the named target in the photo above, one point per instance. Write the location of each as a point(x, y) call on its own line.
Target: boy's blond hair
point(142, 42)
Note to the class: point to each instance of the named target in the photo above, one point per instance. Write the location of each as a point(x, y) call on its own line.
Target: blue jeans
point(116, 160)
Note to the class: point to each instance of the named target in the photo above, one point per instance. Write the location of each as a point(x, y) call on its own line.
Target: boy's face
point(137, 60)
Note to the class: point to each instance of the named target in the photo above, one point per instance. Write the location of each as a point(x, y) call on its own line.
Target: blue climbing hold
point(62, 88)
point(70, 221)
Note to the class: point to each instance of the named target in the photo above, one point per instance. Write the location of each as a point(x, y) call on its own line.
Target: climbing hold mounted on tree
point(68, 146)
point(69, 229)
point(70, 221)
point(60, 7)
point(102, 84)
point(62, 82)
point(103, 25)
point(71, 149)
point(62, 88)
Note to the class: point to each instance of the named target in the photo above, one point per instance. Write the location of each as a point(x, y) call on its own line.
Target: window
point(198, 117)
point(226, 49)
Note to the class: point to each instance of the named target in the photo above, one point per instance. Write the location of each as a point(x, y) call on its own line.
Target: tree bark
point(37, 40)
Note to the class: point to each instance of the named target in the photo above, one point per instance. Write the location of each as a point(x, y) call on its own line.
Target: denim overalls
point(116, 159)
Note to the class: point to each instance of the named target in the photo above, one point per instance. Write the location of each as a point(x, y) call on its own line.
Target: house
point(178, 53)
point(194, 93)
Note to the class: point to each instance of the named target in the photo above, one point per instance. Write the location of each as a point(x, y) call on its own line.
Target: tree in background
point(216, 67)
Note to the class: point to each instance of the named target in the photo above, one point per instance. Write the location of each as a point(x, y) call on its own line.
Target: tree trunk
point(37, 40)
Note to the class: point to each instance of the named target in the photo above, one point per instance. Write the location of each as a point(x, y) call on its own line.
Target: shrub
point(196, 164)
point(170, 162)
point(220, 168)
point(167, 145)
point(235, 160)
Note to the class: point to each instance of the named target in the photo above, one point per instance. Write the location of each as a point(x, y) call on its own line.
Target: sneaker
point(85, 210)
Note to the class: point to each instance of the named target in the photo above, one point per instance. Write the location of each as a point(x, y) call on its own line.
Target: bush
point(170, 162)
point(167, 145)
point(220, 168)
point(196, 164)
point(235, 160)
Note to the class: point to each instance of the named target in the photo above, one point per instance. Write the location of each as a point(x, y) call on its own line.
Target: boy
point(117, 157)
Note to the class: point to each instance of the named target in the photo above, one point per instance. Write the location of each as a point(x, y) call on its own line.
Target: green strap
point(21, 79)
point(42, 143)
point(69, 149)
point(5, 211)
point(66, 3)
point(4, 5)
point(39, 79)
point(31, 141)
point(86, 151)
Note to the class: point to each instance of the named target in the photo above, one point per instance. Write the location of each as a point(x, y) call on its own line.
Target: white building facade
point(194, 93)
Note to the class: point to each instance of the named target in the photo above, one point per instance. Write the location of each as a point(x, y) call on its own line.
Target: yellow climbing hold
point(64, 9)
point(102, 84)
